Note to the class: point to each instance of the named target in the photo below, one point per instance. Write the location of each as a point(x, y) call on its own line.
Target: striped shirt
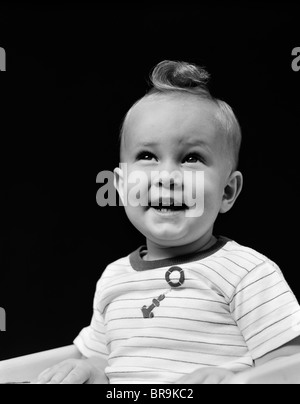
point(156, 321)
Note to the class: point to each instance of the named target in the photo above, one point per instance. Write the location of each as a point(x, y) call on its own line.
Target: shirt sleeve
point(265, 310)
point(92, 340)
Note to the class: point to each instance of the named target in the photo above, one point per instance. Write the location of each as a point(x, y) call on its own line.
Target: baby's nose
point(168, 179)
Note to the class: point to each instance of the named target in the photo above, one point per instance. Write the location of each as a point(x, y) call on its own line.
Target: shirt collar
point(138, 264)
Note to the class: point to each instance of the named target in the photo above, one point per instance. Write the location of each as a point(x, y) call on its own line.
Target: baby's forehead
point(178, 118)
point(166, 105)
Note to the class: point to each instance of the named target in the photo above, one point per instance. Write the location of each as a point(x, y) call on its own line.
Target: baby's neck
point(156, 252)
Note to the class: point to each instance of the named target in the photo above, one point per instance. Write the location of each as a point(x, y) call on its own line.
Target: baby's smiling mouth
point(170, 207)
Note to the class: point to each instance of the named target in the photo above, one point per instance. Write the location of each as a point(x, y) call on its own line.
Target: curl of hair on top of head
point(181, 77)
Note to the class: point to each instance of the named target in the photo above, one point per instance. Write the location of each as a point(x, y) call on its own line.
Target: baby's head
point(176, 131)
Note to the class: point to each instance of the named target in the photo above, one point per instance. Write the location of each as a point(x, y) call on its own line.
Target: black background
point(73, 72)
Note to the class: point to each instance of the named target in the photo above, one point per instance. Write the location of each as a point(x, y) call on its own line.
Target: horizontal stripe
point(270, 314)
point(230, 261)
point(175, 307)
point(199, 299)
point(160, 359)
point(256, 295)
point(217, 273)
point(149, 348)
point(147, 369)
point(190, 341)
point(123, 329)
point(262, 304)
point(272, 325)
point(245, 251)
point(173, 318)
point(251, 284)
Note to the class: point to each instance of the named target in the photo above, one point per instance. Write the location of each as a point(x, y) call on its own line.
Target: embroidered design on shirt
point(147, 311)
point(181, 280)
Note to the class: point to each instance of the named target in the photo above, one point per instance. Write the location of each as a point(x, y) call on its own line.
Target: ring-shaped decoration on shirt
point(181, 279)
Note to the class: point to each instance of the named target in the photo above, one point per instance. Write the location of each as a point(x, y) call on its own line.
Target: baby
point(189, 307)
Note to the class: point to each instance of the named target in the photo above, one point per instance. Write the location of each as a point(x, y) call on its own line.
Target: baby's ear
point(232, 190)
point(119, 182)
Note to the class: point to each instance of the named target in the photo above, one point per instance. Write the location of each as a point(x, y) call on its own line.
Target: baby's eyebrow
point(183, 142)
point(146, 144)
point(196, 142)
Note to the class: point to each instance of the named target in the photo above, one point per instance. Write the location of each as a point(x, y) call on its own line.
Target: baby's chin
point(167, 233)
point(166, 236)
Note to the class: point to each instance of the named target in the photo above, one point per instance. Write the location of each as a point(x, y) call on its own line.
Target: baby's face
point(181, 135)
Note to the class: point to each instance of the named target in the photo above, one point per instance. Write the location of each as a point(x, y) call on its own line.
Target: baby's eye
point(146, 156)
point(193, 159)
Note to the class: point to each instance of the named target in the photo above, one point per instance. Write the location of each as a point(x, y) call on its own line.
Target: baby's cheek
point(136, 190)
point(212, 198)
point(194, 188)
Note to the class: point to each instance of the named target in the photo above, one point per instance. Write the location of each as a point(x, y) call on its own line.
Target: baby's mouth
point(170, 208)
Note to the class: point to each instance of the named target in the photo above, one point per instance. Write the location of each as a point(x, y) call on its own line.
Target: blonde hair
point(171, 77)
